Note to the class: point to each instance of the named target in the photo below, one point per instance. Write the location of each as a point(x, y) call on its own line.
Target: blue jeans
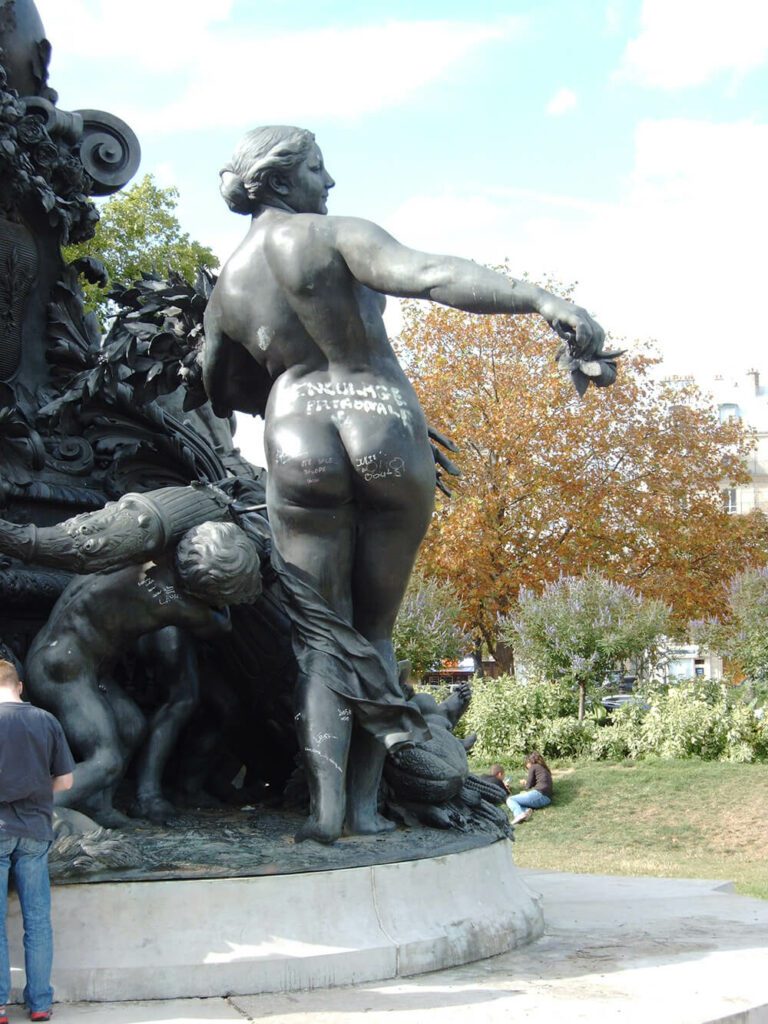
point(27, 859)
point(530, 798)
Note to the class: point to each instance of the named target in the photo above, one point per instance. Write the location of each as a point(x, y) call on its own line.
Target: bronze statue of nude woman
point(294, 332)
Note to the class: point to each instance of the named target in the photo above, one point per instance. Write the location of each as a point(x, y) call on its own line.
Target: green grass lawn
point(673, 819)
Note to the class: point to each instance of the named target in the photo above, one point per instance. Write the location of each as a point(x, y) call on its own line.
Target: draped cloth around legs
point(332, 653)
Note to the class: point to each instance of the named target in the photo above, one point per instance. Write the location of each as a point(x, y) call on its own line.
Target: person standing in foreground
point(35, 762)
point(538, 789)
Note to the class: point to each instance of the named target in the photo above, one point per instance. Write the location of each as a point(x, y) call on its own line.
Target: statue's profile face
point(310, 183)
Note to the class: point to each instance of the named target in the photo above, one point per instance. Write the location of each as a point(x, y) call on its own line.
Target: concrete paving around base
point(628, 950)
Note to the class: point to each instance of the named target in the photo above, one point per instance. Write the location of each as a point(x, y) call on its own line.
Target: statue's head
point(219, 564)
point(276, 165)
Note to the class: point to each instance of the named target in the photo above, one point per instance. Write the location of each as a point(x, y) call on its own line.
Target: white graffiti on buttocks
point(346, 396)
point(379, 465)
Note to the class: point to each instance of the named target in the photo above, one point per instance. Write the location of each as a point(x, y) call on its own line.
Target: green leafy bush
point(565, 737)
point(512, 717)
point(697, 718)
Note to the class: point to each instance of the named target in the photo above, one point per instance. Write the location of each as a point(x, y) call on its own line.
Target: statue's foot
point(369, 824)
point(321, 832)
point(155, 809)
point(109, 817)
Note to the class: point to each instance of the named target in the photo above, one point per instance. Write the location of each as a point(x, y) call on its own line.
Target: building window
point(729, 411)
point(729, 500)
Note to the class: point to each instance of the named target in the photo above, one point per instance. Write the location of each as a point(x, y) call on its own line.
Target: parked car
point(620, 691)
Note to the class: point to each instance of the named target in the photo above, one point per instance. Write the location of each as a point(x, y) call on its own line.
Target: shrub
point(511, 717)
point(696, 718)
point(565, 737)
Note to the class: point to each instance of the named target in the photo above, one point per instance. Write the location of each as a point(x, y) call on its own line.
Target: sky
point(618, 145)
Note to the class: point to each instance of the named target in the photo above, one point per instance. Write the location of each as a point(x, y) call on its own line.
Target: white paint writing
point(379, 466)
point(264, 338)
point(314, 468)
point(348, 389)
point(340, 397)
point(163, 593)
point(324, 757)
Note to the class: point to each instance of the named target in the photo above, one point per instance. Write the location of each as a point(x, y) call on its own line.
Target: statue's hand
point(582, 354)
point(583, 335)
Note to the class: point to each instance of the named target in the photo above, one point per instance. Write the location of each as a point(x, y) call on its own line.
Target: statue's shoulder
point(316, 229)
point(300, 247)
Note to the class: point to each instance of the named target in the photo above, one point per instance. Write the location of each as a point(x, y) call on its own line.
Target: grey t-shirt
point(32, 750)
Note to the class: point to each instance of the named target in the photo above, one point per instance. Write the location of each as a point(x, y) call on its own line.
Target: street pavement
point(615, 949)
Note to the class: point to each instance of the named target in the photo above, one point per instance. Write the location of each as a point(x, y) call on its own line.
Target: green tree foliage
point(581, 628)
point(741, 634)
point(139, 233)
point(428, 630)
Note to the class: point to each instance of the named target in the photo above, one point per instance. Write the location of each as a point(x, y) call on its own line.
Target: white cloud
point(342, 72)
point(562, 101)
point(679, 258)
point(212, 74)
point(147, 33)
point(684, 43)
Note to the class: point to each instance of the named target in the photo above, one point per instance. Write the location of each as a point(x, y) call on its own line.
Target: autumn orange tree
point(626, 481)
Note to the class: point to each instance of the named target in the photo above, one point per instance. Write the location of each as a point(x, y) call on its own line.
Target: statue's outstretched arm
point(379, 261)
point(132, 530)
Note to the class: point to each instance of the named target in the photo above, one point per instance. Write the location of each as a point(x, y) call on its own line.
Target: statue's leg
point(324, 727)
point(366, 762)
point(396, 510)
point(91, 730)
point(173, 655)
point(130, 727)
point(313, 522)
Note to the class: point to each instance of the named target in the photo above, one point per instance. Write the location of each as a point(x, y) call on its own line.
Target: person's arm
point(530, 782)
point(380, 262)
point(62, 782)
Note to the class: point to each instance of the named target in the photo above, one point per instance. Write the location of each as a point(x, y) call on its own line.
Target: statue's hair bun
point(235, 193)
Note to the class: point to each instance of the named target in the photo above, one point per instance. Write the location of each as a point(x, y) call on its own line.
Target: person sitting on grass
point(496, 777)
point(537, 792)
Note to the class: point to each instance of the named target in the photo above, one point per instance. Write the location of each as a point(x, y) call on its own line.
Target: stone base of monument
point(286, 932)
